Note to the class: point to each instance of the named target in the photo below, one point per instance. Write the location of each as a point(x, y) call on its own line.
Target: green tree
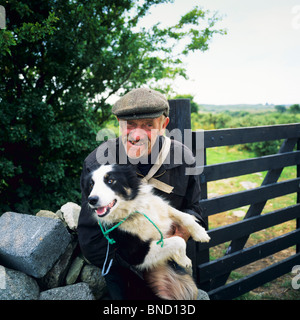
point(194, 106)
point(280, 108)
point(60, 62)
point(295, 108)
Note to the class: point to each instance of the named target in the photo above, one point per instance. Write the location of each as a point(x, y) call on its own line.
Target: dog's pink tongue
point(101, 211)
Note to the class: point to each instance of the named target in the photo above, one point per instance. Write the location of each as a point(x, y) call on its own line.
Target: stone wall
point(40, 258)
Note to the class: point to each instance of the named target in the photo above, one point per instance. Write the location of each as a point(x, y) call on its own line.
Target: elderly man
point(143, 117)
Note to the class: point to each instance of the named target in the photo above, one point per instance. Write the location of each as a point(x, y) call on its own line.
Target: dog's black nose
point(93, 200)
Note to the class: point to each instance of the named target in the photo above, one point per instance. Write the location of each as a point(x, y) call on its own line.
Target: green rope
point(161, 235)
point(105, 233)
point(112, 241)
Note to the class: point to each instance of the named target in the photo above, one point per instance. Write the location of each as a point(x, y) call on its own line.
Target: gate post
point(180, 118)
point(298, 196)
point(180, 115)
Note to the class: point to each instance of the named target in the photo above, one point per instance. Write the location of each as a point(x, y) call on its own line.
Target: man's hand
point(178, 230)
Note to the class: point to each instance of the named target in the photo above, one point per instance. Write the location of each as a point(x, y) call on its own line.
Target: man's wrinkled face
point(139, 136)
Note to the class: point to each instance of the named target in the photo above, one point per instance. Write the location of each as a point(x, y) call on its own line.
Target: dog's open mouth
point(103, 211)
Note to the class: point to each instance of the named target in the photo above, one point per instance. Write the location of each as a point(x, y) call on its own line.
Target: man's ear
point(164, 125)
point(166, 122)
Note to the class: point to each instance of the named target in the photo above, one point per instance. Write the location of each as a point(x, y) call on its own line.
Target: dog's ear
point(133, 180)
point(86, 183)
point(130, 182)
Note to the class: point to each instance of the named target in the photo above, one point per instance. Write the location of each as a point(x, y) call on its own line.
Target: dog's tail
point(171, 283)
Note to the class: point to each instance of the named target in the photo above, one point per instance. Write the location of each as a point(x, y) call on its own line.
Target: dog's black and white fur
point(116, 192)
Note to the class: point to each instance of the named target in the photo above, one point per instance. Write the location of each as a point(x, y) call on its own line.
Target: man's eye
point(130, 125)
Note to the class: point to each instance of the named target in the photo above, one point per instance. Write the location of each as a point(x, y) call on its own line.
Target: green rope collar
point(112, 241)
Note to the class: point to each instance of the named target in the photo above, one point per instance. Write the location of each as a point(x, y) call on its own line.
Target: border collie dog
point(116, 194)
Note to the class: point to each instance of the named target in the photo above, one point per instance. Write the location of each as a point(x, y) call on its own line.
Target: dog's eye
point(91, 185)
point(108, 179)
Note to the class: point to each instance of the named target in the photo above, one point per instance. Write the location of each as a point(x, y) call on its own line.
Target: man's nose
point(137, 134)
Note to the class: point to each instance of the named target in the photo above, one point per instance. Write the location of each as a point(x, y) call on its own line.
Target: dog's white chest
point(147, 227)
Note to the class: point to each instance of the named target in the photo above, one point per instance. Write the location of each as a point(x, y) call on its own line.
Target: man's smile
point(137, 142)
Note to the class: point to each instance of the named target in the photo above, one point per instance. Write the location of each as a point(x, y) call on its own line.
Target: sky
point(257, 62)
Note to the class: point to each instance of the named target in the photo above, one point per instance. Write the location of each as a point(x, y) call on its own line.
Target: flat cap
point(141, 103)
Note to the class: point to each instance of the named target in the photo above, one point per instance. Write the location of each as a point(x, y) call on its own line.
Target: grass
point(281, 287)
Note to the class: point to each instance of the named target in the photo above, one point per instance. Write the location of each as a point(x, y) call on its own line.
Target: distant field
point(238, 107)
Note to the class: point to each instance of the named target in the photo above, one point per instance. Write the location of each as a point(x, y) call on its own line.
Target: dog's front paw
point(199, 234)
point(204, 237)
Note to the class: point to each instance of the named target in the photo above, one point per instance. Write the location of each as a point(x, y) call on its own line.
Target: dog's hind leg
point(173, 248)
point(197, 232)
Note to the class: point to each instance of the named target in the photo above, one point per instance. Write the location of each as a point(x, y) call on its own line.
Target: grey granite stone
point(15, 285)
point(31, 244)
point(78, 291)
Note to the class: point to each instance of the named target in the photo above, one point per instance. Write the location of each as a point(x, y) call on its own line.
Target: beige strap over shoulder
point(159, 161)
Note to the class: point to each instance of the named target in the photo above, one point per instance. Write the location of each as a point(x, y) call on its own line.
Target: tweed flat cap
point(141, 103)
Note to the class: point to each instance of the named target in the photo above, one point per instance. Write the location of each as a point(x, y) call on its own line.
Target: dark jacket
point(185, 195)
